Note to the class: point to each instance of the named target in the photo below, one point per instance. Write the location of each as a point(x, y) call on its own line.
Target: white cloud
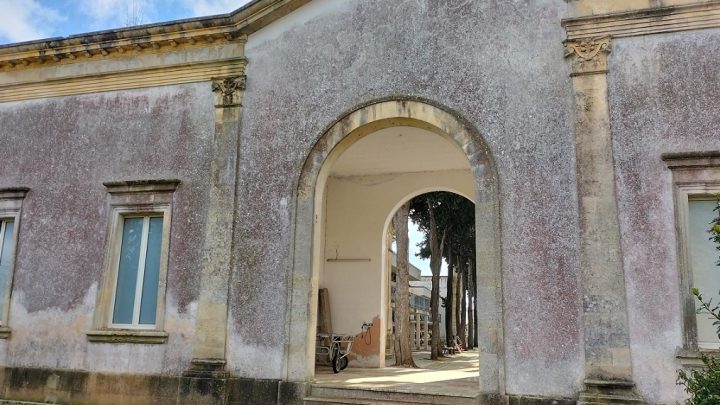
point(117, 13)
point(25, 20)
point(200, 8)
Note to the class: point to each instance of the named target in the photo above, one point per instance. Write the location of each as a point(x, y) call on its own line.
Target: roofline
point(216, 28)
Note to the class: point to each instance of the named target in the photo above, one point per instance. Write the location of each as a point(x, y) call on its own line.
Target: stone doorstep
point(325, 395)
point(608, 399)
point(11, 402)
point(348, 401)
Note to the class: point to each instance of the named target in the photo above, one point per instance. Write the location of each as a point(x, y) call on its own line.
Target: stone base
point(532, 400)
point(19, 385)
point(207, 368)
point(602, 392)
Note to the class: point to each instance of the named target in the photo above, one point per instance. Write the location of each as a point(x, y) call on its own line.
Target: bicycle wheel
point(343, 363)
point(334, 358)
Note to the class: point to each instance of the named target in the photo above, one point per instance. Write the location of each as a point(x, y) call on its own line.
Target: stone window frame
point(11, 200)
point(127, 199)
point(695, 175)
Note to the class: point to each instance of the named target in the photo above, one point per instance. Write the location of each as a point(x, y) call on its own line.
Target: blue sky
point(27, 20)
point(416, 237)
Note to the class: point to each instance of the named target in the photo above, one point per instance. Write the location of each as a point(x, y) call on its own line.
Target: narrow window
point(7, 253)
point(138, 272)
point(130, 305)
point(705, 273)
point(11, 200)
point(695, 185)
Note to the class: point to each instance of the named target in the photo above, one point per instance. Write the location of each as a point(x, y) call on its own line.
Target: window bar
point(141, 271)
point(2, 237)
point(2, 243)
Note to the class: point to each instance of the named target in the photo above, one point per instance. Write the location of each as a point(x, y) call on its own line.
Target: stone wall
point(663, 98)
point(499, 66)
point(63, 149)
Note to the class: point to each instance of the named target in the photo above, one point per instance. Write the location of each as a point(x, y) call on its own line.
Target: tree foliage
point(448, 222)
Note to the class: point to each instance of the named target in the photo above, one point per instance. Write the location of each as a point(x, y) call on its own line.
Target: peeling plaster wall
point(497, 64)
point(663, 92)
point(64, 149)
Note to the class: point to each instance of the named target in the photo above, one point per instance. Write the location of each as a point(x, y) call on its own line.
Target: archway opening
point(363, 168)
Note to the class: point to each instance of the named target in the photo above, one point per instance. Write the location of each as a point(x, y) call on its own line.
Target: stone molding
point(689, 160)
point(644, 22)
point(123, 80)
point(692, 358)
point(137, 186)
point(25, 67)
point(588, 55)
point(61, 52)
point(188, 33)
point(13, 192)
point(127, 336)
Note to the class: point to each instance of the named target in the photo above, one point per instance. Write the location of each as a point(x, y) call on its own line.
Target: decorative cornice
point(589, 55)
point(152, 38)
point(65, 51)
point(686, 160)
point(123, 80)
point(9, 193)
point(136, 186)
point(644, 22)
point(228, 90)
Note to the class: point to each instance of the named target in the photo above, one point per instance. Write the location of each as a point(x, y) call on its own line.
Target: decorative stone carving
point(589, 54)
point(228, 90)
point(587, 48)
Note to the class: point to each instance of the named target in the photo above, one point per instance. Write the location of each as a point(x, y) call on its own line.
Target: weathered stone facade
point(562, 108)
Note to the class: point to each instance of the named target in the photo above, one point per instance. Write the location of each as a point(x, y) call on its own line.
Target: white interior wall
point(357, 211)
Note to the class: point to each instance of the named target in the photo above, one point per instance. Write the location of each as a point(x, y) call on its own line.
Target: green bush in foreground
point(703, 384)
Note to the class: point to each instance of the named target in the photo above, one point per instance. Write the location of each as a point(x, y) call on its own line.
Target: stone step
point(12, 402)
point(342, 395)
point(350, 401)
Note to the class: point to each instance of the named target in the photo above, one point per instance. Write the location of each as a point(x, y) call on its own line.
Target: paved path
point(455, 375)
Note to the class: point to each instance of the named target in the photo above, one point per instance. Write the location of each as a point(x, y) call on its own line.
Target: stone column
point(212, 313)
point(427, 333)
point(608, 369)
point(417, 331)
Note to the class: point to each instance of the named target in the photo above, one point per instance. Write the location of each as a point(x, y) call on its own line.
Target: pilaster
point(212, 314)
point(608, 368)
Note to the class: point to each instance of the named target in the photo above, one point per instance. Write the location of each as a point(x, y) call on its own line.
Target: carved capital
point(228, 90)
point(589, 55)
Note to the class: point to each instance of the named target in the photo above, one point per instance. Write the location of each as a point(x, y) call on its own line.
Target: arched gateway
point(302, 296)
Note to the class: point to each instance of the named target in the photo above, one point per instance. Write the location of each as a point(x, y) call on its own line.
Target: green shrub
point(702, 384)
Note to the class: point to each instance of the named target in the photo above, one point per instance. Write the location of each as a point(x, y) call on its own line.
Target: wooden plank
point(324, 324)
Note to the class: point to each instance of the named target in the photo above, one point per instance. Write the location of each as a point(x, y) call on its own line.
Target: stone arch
point(303, 282)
